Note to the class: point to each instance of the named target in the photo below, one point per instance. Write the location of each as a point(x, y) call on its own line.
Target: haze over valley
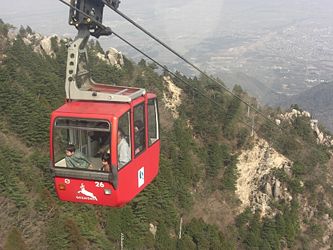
point(270, 48)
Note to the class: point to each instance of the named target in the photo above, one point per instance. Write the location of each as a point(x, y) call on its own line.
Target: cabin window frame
point(143, 129)
point(82, 128)
point(157, 122)
point(129, 139)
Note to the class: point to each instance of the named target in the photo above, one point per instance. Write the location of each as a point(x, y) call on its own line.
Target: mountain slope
point(203, 145)
point(251, 85)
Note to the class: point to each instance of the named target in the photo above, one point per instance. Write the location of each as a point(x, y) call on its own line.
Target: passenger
point(74, 159)
point(124, 152)
point(106, 162)
point(102, 139)
point(139, 136)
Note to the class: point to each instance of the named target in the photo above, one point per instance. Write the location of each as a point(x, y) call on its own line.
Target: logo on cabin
point(141, 176)
point(87, 195)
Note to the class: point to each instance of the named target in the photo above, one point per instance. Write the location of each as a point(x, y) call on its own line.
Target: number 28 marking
point(99, 184)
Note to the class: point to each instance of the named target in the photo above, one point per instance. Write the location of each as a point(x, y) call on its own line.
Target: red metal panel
point(151, 96)
point(85, 191)
point(137, 101)
point(114, 142)
point(94, 108)
point(132, 179)
point(146, 120)
point(51, 137)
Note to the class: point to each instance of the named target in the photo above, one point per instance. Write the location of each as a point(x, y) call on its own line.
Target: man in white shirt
point(124, 152)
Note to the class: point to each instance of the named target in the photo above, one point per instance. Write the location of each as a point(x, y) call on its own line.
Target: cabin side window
point(153, 129)
point(79, 144)
point(139, 129)
point(124, 140)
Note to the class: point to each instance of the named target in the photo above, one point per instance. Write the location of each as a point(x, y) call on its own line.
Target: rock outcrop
point(256, 185)
point(41, 44)
point(322, 138)
point(152, 229)
point(171, 97)
point(112, 57)
point(45, 46)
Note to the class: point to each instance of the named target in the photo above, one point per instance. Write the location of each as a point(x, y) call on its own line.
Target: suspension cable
point(166, 69)
point(140, 51)
point(177, 77)
point(187, 61)
point(182, 80)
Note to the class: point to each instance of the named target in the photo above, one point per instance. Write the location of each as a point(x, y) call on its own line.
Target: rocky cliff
point(256, 184)
point(46, 45)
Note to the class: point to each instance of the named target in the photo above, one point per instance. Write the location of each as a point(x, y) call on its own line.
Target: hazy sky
point(171, 18)
point(51, 16)
point(181, 24)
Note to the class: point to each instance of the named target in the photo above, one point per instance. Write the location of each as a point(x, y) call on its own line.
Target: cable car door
point(143, 141)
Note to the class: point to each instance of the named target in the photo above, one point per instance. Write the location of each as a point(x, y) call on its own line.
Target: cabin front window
point(90, 139)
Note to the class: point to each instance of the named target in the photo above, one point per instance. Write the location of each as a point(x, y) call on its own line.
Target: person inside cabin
point(106, 162)
point(124, 153)
point(103, 140)
point(74, 159)
point(139, 136)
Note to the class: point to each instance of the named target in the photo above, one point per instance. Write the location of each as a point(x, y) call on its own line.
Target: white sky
point(181, 24)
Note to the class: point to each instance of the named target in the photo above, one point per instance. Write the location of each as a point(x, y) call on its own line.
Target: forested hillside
point(201, 144)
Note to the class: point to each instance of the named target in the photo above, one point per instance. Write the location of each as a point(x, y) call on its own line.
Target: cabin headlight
point(62, 186)
point(107, 191)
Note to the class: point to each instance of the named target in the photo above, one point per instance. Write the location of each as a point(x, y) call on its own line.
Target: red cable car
point(99, 120)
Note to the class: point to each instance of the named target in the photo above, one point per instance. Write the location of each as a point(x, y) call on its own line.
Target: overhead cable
point(187, 61)
point(150, 58)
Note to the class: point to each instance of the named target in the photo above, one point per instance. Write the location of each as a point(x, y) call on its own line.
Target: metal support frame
point(79, 85)
point(77, 72)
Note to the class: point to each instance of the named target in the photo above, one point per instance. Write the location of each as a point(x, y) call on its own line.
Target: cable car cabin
point(128, 131)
